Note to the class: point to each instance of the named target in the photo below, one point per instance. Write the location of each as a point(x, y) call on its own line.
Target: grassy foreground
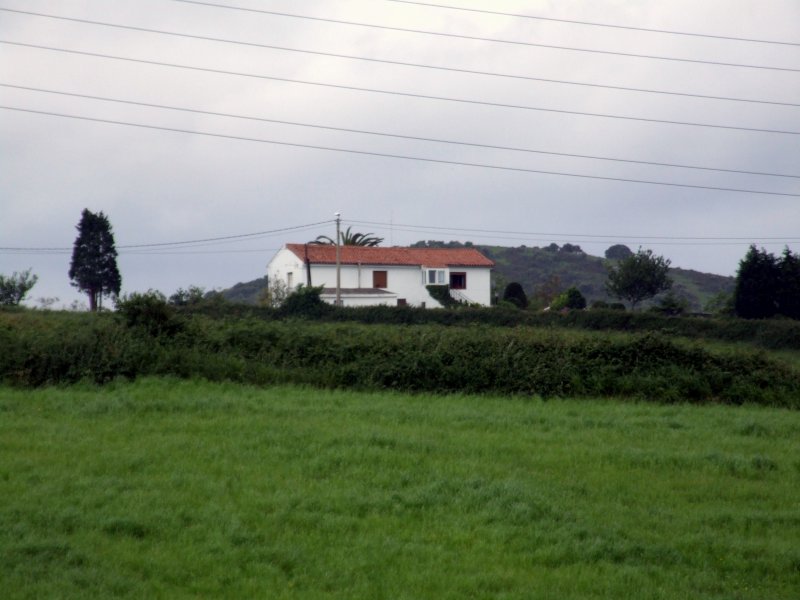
point(178, 489)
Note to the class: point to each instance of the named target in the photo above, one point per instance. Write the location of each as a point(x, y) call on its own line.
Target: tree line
point(766, 286)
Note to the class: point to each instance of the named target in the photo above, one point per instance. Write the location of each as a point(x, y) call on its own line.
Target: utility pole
point(338, 261)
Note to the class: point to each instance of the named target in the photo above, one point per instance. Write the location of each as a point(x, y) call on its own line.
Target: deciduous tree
point(640, 276)
point(618, 252)
point(14, 287)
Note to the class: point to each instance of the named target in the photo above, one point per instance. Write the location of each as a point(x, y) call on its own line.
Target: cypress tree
point(757, 282)
point(93, 269)
point(789, 286)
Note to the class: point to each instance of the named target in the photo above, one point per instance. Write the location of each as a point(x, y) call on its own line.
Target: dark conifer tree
point(757, 281)
point(516, 295)
point(789, 287)
point(93, 269)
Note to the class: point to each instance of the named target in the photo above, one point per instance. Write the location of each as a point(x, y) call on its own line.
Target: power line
point(181, 252)
point(229, 237)
point(391, 135)
point(403, 157)
point(441, 229)
point(485, 39)
point(241, 236)
point(604, 242)
point(595, 24)
point(403, 63)
point(162, 248)
point(403, 94)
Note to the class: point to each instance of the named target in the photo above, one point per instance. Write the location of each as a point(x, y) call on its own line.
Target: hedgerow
point(772, 334)
point(51, 348)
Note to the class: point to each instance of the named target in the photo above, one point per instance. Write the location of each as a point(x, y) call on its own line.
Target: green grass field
point(186, 489)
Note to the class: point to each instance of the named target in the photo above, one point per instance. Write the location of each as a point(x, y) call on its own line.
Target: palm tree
point(349, 238)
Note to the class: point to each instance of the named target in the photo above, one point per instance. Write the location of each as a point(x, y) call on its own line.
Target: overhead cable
point(404, 157)
point(391, 135)
point(408, 64)
point(241, 236)
point(396, 93)
point(485, 39)
point(442, 229)
point(596, 24)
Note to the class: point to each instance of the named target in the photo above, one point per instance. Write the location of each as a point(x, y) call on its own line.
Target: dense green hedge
point(42, 348)
point(773, 334)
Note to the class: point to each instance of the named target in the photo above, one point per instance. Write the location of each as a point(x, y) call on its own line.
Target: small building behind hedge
point(385, 276)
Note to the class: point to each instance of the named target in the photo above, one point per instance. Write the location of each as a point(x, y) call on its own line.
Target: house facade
point(393, 276)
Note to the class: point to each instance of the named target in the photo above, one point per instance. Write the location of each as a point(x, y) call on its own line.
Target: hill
point(568, 266)
point(558, 267)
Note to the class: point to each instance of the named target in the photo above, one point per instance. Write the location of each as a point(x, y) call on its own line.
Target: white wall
point(286, 265)
point(358, 300)
point(479, 285)
point(406, 282)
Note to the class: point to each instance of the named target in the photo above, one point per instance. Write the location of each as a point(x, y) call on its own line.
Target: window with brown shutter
point(379, 279)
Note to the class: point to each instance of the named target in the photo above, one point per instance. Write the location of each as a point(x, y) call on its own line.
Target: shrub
point(516, 295)
point(304, 302)
point(192, 296)
point(671, 305)
point(571, 299)
point(14, 287)
point(148, 311)
point(441, 293)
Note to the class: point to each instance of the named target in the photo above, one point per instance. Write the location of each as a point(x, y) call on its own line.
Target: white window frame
point(438, 276)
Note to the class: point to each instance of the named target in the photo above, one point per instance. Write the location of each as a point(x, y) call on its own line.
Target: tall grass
point(171, 488)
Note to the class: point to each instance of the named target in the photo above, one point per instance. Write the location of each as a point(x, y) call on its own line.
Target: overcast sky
point(160, 186)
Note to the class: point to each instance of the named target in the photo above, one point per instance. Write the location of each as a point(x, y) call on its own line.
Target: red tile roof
point(425, 257)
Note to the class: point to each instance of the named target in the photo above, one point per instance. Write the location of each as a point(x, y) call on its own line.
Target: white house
point(391, 276)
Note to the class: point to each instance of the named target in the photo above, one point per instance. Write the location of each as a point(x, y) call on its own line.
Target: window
point(458, 281)
point(379, 279)
point(402, 302)
point(435, 277)
point(289, 280)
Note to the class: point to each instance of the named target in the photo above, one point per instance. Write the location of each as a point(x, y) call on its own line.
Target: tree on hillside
point(618, 252)
point(14, 287)
point(516, 295)
point(350, 238)
point(93, 269)
point(640, 276)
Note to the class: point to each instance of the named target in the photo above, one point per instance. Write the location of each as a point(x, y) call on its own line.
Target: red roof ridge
point(391, 255)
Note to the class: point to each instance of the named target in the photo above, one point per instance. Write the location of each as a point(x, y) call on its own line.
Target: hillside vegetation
point(533, 267)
